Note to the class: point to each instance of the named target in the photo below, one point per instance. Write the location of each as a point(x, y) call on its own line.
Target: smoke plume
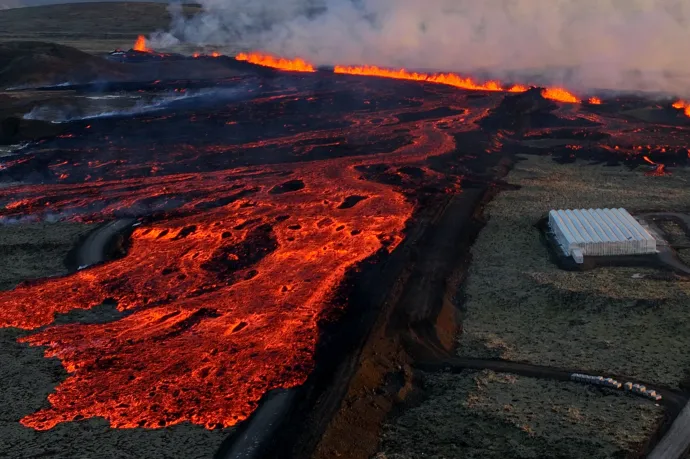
point(622, 44)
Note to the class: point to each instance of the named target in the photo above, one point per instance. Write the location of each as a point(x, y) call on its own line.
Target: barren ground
point(36, 250)
point(520, 306)
point(490, 415)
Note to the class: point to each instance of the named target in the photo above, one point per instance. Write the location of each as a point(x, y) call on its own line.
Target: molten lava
point(232, 295)
point(518, 88)
point(594, 101)
point(450, 79)
point(140, 45)
point(221, 296)
point(560, 95)
point(683, 105)
point(293, 65)
point(660, 168)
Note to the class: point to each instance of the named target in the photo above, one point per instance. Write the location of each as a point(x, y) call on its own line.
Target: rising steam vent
point(599, 232)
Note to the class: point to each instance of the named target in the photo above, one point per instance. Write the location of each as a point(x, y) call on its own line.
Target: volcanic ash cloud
point(617, 44)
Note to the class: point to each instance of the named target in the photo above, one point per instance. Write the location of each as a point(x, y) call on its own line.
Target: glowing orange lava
point(518, 88)
point(594, 101)
point(222, 299)
point(450, 79)
point(682, 105)
point(560, 95)
point(140, 44)
point(660, 168)
point(293, 65)
point(232, 295)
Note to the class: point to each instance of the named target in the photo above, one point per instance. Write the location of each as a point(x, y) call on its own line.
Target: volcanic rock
point(27, 64)
point(31, 63)
point(14, 130)
point(520, 111)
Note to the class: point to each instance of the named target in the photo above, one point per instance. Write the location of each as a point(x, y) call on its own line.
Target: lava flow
point(660, 168)
point(223, 304)
point(222, 293)
point(293, 65)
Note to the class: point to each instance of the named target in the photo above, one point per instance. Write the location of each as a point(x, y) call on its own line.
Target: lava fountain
point(140, 45)
point(293, 65)
point(450, 79)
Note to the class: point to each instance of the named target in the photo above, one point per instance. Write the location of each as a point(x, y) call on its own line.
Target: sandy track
point(677, 440)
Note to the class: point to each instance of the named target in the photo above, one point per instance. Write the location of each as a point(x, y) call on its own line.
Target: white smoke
point(136, 106)
point(626, 44)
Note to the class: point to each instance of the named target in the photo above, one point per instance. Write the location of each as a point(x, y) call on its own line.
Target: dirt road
point(677, 440)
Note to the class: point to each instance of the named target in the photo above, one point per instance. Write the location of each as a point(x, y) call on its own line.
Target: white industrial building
point(599, 232)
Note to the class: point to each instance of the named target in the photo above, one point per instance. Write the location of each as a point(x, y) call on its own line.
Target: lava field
point(256, 197)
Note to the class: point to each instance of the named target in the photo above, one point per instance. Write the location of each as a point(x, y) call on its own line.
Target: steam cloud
point(623, 44)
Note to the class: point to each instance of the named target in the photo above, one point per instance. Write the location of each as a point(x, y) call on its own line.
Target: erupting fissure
point(293, 65)
point(683, 105)
point(449, 79)
point(560, 95)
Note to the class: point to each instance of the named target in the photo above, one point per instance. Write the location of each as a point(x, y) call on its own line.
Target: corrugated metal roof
point(600, 232)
